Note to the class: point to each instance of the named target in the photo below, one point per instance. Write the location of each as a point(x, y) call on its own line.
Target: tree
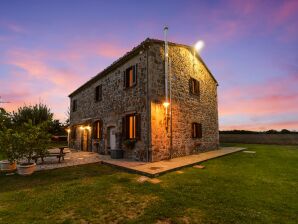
point(38, 114)
point(5, 119)
point(57, 128)
point(285, 131)
point(36, 140)
point(271, 131)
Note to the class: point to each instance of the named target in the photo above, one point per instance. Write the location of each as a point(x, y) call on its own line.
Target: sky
point(50, 48)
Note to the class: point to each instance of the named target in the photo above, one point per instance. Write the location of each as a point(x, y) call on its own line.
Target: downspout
point(148, 109)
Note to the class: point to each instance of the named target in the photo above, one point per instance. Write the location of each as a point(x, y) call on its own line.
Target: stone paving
point(72, 158)
point(156, 168)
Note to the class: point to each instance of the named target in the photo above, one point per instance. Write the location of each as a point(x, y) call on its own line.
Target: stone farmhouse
point(121, 108)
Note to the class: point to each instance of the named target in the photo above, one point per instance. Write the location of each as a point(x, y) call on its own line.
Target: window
point(73, 133)
point(196, 130)
point(194, 86)
point(98, 93)
point(97, 129)
point(131, 126)
point(74, 105)
point(130, 76)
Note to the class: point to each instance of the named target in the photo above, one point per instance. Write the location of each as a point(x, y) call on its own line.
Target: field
point(279, 139)
point(238, 188)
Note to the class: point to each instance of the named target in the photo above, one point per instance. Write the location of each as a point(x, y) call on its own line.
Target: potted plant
point(129, 143)
point(35, 143)
point(8, 140)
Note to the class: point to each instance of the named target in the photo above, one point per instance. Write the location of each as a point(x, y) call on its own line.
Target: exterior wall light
point(199, 45)
point(166, 104)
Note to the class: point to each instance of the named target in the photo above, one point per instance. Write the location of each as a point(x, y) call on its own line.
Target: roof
point(131, 54)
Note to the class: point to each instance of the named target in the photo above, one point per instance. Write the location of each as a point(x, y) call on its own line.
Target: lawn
point(238, 188)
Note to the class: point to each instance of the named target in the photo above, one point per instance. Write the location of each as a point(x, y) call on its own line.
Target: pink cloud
point(275, 96)
point(50, 75)
point(287, 10)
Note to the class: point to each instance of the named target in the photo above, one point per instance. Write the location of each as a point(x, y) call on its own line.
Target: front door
point(112, 138)
point(85, 140)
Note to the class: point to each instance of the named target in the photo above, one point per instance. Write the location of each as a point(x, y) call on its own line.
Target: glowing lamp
point(166, 104)
point(199, 45)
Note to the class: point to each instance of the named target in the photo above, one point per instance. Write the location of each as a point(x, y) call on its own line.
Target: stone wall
point(116, 103)
point(146, 98)
point(186, 108)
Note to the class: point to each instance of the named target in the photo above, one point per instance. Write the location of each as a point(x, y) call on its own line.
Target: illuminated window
point(130, 76)
point(97, 129)
point(131, 126)
point(194, 86)
point(98, 93)
point(74, 105)
point(196, 129)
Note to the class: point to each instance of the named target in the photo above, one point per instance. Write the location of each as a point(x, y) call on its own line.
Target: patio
point(155, 169)
point(72, 158)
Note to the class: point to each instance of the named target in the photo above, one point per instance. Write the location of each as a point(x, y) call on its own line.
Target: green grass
point(239, 188)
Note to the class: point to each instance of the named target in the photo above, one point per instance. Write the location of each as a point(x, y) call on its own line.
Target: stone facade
point(146, 99)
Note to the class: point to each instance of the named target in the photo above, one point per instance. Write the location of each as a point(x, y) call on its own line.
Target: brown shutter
point(94, 129)
point(190, 85)
point(199, 131)
point(124, 128)
point(198, 87)
point(100, 129)
point(138, 126)
point(100, 92)
point(124, 79)
point(135, 73)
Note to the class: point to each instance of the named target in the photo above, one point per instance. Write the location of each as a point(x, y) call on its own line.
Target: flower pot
point(7, 166)
point(117, 154)
point(26, 169)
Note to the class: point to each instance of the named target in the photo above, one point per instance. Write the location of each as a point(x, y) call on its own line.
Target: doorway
point(111, 138)
point(84, 144)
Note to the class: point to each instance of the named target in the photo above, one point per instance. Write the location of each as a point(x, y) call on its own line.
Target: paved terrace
point(74, 158)
point(157, 168)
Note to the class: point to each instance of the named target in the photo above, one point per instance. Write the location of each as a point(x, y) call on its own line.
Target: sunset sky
point(49, 48)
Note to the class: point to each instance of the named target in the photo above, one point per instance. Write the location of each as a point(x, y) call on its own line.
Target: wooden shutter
point(138, 126)
point(135, 73)
point(192, 130)
point(198, 87)
point(190, 85)
point(124, 128)
point(199, 131)
point(94, 129)
point(124, 79)
point(100, 129)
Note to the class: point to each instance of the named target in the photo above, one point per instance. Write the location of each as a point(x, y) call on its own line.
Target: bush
point(36, 140)
point(11, 144)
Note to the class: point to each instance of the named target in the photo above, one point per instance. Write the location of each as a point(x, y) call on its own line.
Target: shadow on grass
point(52, 177)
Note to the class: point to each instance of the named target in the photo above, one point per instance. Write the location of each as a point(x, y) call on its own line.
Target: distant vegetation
point(283, 137)
point(271, 131)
